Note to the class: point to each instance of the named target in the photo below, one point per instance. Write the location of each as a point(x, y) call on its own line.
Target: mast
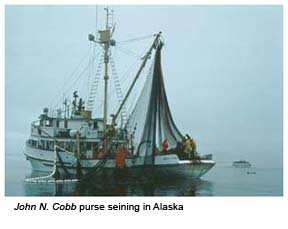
point(105, 40)
point(106, 61)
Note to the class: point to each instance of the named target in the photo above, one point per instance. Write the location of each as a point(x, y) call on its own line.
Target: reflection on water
point(183, 187)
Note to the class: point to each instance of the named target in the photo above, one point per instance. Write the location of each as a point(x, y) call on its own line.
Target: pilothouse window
point(33, 143)
point(88, 145)
point(51, 145)
point(47, 122)
point(95, 125)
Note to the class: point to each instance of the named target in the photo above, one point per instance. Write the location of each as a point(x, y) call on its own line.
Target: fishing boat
point(241, 164)
point(74, 143)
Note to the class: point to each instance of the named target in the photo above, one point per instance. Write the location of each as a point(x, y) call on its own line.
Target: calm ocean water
point(222, 180)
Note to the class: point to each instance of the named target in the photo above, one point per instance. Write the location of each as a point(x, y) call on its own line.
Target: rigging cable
point(136, 39)
point(69, 76)
point(91, 66)
point(128, 52)
point(77, 79)
point(117, 87)
point(94, 85)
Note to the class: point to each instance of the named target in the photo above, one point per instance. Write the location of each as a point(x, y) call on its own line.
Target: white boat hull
point(165, 165)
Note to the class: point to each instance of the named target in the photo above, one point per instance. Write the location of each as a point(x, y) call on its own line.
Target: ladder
point(119, 93)
point(94, 85)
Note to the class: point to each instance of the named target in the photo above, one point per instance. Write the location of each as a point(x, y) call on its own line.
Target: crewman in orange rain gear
point(121, 155)
point(164, 146)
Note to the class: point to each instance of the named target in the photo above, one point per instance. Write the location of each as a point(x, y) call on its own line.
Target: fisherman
point(121, 155)
point(193, 149)
point(187, 146)
point(179, 150)
point(94, 150)
point(110, 131)
point(100, 152)
point(164, 146)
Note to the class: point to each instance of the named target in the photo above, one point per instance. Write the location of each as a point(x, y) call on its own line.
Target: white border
point(222, 212)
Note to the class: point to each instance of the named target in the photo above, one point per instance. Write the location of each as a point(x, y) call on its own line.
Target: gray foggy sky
point(222, 67)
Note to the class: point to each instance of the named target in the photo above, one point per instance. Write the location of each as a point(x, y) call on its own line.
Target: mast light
point(91, 37)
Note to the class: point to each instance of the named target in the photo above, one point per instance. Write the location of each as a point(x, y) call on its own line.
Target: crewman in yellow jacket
point(187, 148)
point(193, 148)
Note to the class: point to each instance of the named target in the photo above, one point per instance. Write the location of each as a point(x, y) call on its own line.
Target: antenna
point(96, 24)
point(107, 17)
